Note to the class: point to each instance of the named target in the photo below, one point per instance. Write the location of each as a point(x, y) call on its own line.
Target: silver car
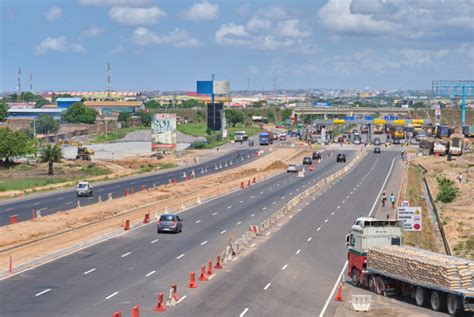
point(291, 168)
point(84, 189)
point(169, 223)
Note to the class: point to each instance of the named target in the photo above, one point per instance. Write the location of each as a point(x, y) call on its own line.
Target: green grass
point(22, 184)
point(94, 170)
point(115, 135)
point(150, 167)
point(194, 129)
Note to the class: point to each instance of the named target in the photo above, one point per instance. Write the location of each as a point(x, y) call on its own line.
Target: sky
point(296, 44)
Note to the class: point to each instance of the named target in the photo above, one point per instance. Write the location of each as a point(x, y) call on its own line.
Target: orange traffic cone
point(339, 297)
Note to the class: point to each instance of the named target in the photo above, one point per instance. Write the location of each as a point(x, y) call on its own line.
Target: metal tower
point(454, 89)
point(18, 87)
point(31, 82)
point(109, 84)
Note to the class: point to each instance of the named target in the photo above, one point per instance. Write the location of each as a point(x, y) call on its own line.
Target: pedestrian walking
point(384, 199)
point(403, 154)
point(460, 178)
point(392, 200)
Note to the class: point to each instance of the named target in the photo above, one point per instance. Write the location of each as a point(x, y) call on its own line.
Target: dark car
point(316, 156)
point(376, 141)
point(307, 160)
point(341, 158)
point(396, 141)
point(169, 223)
point(377, 150)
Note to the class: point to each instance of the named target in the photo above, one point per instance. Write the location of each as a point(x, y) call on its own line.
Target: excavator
point(83, 153)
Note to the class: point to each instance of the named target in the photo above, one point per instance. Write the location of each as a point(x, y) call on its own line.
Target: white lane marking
point(125, 254)
point(300, 209)
point(336, 284)
point(268, 233)
point(43, 292)
point(244, 312)
point(252, 196)
point(181, 299)
point(117, 186)
point(261, 193)
point(210, 277)
point(151, 273)
point(267, 286)
point(352, 192)
point(90, 271)
point(283, 197)
point(154, 241)
point(8, 209)
point(291, 193)
point(347, 197)
point(36, 203)
point(252, 215)
point(284, 267)
point(198, 221)
point(204, 242)
point(241, 201)
point(309, 239)
point(252, 245)
point(235, 259)
point(307, 204)
point(343, 201)
point(214, 214)
point(223, 231)
point(69, 202)
point(238, 223)
point(228, 207)
point(111, 295)
point(60, 198)
point(338, 207)
point(332, 213)
point(179, 256)
point(274, 202)
point(280, 224)
point(270, 188)
point(298, 252)
point(264, 208)
point(326, 221)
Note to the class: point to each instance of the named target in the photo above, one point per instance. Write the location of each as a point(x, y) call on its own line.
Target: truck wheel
point(452, 304)
point(372, 284)
point(380, 286)
point(355, 277)
point(420, 296)
point(436, 301)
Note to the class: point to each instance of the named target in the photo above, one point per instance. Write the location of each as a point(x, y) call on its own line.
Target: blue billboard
point(205, 87)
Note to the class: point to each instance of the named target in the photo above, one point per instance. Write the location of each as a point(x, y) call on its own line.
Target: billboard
point(221, 87)
point(204, 87)
point(411, 217)
point(163, 131)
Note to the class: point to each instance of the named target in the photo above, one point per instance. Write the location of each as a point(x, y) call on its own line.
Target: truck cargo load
point(456, 144)
point(440, 147)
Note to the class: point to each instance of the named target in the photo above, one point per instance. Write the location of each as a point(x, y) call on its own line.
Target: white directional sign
point(411, 217)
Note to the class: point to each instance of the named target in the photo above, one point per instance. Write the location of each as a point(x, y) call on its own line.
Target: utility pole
point(248, 84)
point(18, 87)
point(31, 82)
point(274, 99)
point(109, 80)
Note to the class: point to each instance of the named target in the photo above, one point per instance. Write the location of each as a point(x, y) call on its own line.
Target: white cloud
point(53, 14)
point(178, 38)
point(58, 44)
point(336, 15)
point(232, 34)
point(201, 11)
point(256, 24)
point(120, 3)
point(136, 16)
point(290, 28)
point(93, 31)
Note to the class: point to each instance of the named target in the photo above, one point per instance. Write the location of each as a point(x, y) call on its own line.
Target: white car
point(84, 189)
point(292, 169)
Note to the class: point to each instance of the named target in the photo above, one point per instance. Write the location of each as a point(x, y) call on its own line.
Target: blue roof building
point(21, 113)
point(64, 103)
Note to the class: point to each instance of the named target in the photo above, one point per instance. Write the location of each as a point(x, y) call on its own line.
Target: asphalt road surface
point(65, 199)
point(132, 268)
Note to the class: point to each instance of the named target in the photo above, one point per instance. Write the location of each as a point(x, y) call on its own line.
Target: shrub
point(447, 190)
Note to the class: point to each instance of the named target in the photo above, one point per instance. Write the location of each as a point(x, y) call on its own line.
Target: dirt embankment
point(457, 216)
point(86, 223)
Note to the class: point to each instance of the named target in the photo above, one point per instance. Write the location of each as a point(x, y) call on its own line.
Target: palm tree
point(51, 154)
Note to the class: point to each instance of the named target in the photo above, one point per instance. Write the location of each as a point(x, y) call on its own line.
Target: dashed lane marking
point(204, 242)
point(252, 215)
point(125, 254)
point(151, 273)
point(252, 196)
point(181, 299)
point(90, 271)
point(298, 251)
point(111, 295)
point(284, 267)
point(238, 223)
point(223, 231)
point(179, 256)
point(268, 233)
point(319, 228)
point(244, 312)
point(252, 245)
point(214, 214)
point(42, 292)
point(326, 221)
point(264, 208)
point(154, 241)
point(267, 286)
point(228, 207)
point(198, 221)
point(309, 239)
point(332, 213)
point(235, 259)
point(69, 202)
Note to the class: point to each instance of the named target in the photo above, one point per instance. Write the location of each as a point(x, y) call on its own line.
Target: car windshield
point(167, 218)
point(82, 186)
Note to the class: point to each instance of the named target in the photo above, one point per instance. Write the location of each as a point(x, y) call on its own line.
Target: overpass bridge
point(350, 110)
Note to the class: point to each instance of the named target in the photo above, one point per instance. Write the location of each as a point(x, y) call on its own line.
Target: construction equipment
point(377, 259)
point(83, 153)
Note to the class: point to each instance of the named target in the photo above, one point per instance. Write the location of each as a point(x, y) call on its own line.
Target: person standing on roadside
point(384, 199)
point(392, 200)
point(460, 178)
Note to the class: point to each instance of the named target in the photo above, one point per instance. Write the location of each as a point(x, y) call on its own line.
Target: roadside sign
point(405, 203)
point(411, 217)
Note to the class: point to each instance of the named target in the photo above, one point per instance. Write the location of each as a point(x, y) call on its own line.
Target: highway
point(132, 268)
point(65, 199)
